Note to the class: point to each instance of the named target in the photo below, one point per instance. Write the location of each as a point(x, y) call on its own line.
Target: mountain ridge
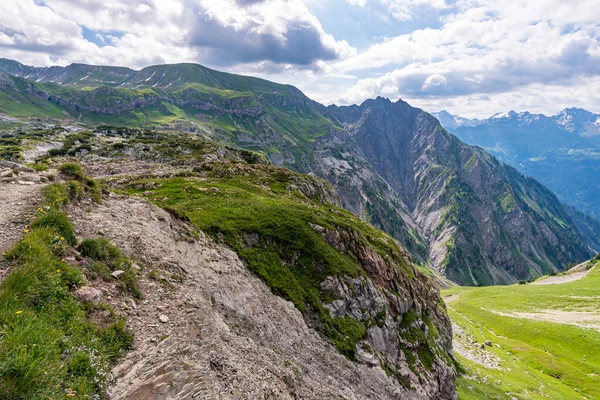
point(392, 164)
point(562, 151)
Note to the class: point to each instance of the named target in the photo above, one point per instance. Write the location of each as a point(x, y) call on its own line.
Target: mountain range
point(561, 151)
point(452, 205)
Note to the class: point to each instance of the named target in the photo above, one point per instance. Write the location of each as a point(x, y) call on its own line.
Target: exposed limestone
point(228, 335)
point(88, 294)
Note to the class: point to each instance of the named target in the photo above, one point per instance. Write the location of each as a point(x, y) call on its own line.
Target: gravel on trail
point(16, 203)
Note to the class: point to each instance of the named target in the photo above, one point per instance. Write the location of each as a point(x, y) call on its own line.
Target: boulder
point(88, 294)
point(16, 166)
point(117, 273)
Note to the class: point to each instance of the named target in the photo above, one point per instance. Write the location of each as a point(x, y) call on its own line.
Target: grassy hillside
point(537, 357)
point(256, 211)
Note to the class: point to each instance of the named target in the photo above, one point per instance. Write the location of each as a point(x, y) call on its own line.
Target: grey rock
point(88, 294)
point(117, 273)
point(163, 318)
point(15, 166)
point(29, 177)
point(7, 164)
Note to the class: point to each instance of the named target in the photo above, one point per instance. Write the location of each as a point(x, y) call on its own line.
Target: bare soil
point(558, 279)
point(17, 203)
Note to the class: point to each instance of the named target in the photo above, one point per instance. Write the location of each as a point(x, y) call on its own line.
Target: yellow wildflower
point(19, 312)
point(62, 238)
point(58, 271)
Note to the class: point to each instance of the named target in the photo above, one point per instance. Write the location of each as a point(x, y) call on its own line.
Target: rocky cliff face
point(401, 317)
point(484, 222)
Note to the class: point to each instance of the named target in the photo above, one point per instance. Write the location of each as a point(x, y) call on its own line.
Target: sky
point(473, 58)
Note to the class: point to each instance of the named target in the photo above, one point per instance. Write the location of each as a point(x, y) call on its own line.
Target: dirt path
point(451, 298)
point(583, 319)
point(16, 202)
point(556, 280)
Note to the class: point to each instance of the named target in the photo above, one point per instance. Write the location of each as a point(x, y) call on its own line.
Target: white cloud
point(166, 31)
point(403, 10)
point(479, 57)
point(434, 80)
point(535, 98)
point(484, 47)
point(282, 31)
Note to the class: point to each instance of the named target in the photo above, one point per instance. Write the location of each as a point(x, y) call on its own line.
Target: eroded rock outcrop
point(228, 335)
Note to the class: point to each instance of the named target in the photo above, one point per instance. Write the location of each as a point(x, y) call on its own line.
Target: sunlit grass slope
point(541, 358)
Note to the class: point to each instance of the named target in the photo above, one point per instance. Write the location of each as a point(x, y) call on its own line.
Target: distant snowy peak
point(518, 119)
point(504, 115)
point(578, 120)
point(573, 120)
point(450, 121)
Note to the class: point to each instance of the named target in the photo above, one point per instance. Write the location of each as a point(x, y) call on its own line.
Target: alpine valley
point(178, 232)
point(561, 151)
point(453, 206)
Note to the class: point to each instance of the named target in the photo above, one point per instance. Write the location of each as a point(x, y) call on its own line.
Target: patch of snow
point(85, 77)
point(536, 159)
point(147, 79)
point(503, 115)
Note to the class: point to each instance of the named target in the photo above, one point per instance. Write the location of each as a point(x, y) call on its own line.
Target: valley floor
point(535, 341)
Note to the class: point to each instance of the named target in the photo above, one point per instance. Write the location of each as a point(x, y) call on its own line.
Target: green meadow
point(544, 338)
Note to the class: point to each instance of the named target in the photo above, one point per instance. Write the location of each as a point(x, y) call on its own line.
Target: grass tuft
point(49, 347)
point(105, 258)
point(72, 170)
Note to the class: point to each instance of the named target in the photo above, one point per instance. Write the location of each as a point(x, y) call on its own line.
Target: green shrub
point(40, 166)
point(75, 190)
point(73, 170)
point(105, 258)
point(100, 249)
point(56, 195)
point(58, 221)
